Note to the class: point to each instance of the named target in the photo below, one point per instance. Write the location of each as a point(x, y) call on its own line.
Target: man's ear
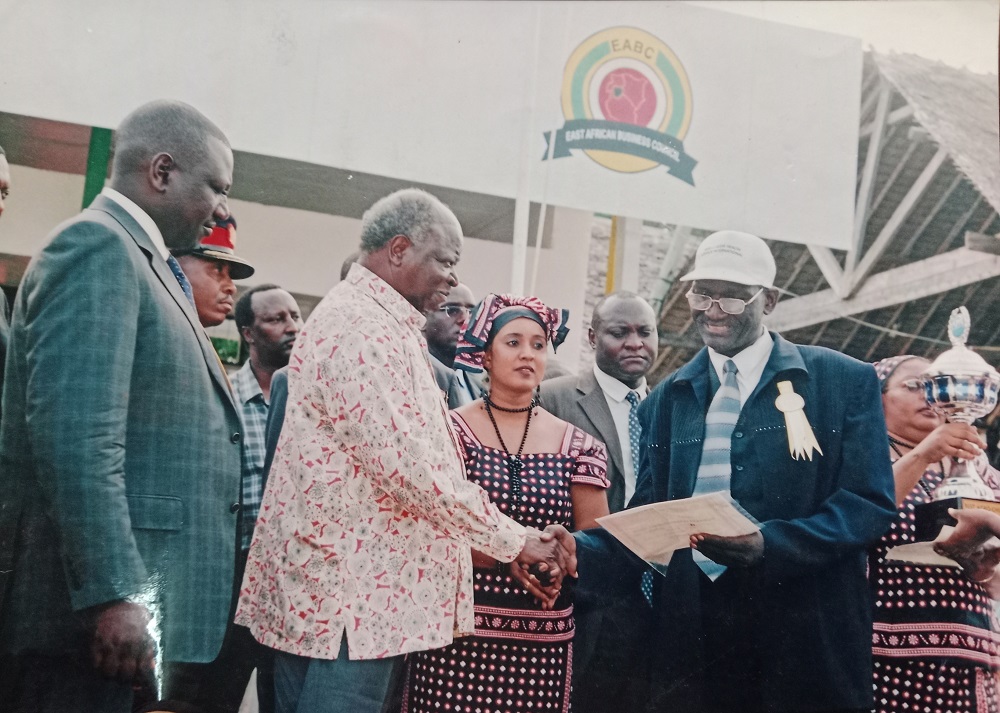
point(160, 169)
point(398, 245)
point(245, 332)
point(592, 337)
point(770, 300)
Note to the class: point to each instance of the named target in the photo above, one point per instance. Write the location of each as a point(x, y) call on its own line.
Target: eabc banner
point(627, 103)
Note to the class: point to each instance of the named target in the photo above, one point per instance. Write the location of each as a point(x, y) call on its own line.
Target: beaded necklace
point(514, 463)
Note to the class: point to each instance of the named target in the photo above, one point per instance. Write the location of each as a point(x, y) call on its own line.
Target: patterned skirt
point(517, 660)
point(919, 686)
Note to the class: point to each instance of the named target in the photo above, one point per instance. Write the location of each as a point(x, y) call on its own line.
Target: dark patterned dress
point(519, 658)
point(936, 641)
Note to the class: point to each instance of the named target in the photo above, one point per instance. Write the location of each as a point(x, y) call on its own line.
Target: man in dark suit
point(443, 328)
point(608, 664)
point(777, 620)
point(120, 445)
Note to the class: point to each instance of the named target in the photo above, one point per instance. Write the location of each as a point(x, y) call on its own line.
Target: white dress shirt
point(141, 217)
point(465, 391)
point(615, 393)
point(750, 364)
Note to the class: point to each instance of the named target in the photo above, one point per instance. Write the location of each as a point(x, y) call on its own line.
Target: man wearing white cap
point(777, 620)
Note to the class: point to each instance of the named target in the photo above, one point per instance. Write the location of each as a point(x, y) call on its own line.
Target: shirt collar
point(751, 360)
point(382, 292)
point(246, 383)
point(616, 389)
point(141, 217)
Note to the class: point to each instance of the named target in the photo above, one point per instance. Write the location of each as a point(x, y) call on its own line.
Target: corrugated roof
point(958, 108)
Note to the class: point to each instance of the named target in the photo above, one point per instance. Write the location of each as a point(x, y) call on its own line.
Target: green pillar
point(98, 156)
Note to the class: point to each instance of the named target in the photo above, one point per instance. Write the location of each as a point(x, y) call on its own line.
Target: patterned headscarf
point(885, 368)
point(493, 313)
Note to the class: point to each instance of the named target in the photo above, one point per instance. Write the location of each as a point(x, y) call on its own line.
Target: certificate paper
point(654, 531)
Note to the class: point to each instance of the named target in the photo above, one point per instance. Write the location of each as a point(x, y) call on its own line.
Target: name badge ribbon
point(801, 439)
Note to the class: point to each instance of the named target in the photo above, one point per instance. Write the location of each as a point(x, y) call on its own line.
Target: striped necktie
point(716, 455)
point(175, 267)
point(634, 432)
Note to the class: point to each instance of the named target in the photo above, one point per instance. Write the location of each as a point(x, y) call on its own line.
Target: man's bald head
point(161, 127)
point(624, 338)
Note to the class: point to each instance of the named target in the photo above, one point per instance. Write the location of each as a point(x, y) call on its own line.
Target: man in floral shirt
point(362, 550)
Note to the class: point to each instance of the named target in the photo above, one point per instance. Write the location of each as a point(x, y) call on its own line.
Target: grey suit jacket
point(119, 448)
point(445, 378)
point(580, 400)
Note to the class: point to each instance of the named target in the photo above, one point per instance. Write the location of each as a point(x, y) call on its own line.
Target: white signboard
point(661, 111)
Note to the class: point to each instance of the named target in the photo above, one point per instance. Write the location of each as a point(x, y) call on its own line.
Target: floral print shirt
point(368, 520)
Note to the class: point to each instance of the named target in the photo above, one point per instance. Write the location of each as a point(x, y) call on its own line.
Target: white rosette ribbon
point(801, 439)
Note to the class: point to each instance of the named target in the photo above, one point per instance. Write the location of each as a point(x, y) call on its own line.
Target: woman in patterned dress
point(540, 470)
point(936, 638)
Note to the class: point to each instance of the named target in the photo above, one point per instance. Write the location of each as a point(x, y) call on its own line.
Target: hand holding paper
point(654, 531)
point(738, 551)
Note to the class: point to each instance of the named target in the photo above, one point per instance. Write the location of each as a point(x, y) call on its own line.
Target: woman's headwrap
point(885, 368)
point(493, 313)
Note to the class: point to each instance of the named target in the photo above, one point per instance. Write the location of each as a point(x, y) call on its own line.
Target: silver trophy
point(962, 387)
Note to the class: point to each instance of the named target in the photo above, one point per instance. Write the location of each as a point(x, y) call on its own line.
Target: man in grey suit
point(607, 673)
point(120, 444)
point(443, 328)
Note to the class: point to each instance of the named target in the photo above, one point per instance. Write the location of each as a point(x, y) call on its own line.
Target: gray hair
point(410, 212)
point(171, 126)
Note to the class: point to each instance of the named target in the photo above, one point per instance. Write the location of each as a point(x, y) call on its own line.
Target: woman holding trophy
point(936, 638)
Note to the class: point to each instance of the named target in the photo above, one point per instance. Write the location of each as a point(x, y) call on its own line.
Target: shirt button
point(235, 438)
point(235, 507)
point(738, 434)
point(739, 467)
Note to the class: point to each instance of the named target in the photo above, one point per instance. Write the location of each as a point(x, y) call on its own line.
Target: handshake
point(546, 558)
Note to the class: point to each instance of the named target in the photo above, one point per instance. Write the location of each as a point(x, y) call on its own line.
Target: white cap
point(732, 256)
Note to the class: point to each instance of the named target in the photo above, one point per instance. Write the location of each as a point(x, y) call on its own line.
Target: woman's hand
point(950, 440)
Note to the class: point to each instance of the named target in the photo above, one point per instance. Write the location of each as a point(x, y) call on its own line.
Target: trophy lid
point(959, 359)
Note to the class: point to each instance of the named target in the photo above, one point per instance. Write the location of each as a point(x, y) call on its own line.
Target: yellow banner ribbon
point(801, 439)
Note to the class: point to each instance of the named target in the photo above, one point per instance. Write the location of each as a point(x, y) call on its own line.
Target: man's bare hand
point(120, 646)
point(739, 551)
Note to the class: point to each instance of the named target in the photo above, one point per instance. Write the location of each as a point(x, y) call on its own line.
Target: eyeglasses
point(729, 305)
point(455, 311)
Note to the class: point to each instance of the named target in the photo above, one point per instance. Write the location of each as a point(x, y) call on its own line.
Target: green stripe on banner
point(98, 156)
point(676, 91)
point(576, 91)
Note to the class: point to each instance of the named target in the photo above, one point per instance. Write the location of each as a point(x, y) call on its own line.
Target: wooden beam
point(856, 277)
point(680, 341)
point(903, 112)
point(828, 265)
point(940, 273)
point(983, 243)
point(868, 173)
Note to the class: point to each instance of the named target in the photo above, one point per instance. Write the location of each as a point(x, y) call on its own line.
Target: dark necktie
point(634, 432)
point(175, 267)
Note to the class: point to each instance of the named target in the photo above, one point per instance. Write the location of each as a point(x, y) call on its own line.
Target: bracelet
point(985, 579)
